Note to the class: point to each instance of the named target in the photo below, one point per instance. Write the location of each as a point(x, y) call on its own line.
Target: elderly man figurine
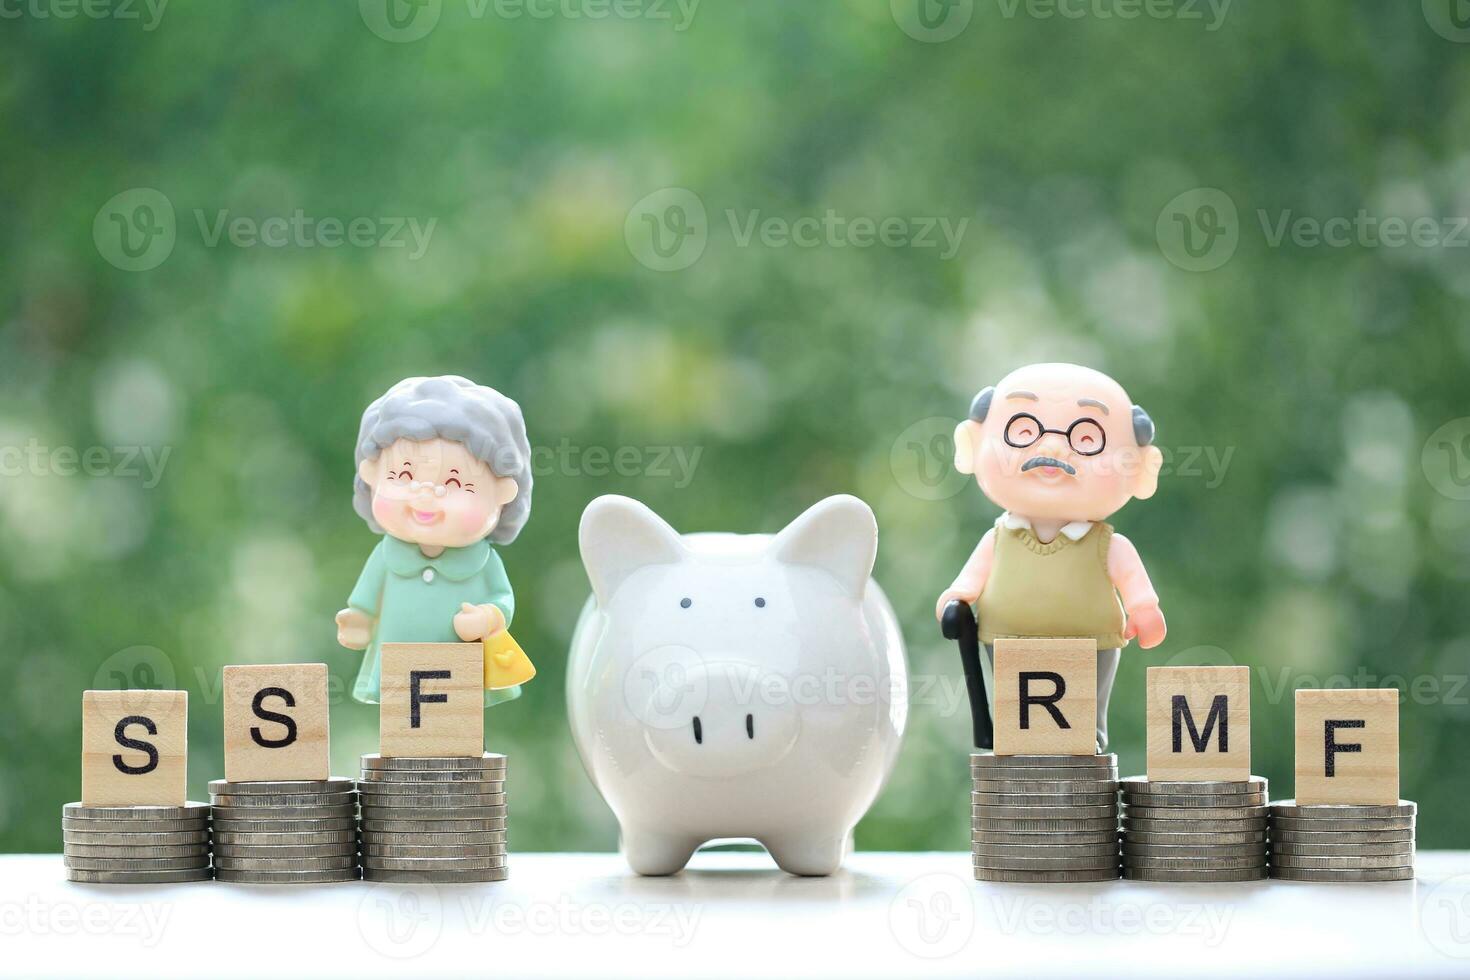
point(1060, 448)
point(443, 470)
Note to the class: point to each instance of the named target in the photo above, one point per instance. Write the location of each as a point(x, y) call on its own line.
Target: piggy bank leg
point(650, 852)
point(816, 853)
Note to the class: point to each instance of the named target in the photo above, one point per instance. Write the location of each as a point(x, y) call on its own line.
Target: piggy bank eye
point(760, 602)
point(685, 603)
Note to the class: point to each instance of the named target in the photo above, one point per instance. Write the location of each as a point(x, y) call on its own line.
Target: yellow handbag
point(506, 664)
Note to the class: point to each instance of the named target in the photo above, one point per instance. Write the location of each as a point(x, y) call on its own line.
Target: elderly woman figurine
point(443, 470)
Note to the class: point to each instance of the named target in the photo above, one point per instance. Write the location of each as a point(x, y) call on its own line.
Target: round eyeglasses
point(1085, 436)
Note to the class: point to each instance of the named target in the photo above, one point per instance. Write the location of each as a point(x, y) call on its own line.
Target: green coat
point(414, 599)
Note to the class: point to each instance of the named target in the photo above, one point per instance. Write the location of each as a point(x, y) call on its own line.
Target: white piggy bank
point(736, 686)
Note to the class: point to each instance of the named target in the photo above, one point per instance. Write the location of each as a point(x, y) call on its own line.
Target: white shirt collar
point(1076, 530)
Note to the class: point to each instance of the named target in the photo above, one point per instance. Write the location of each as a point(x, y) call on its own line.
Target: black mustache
point(1036, 461)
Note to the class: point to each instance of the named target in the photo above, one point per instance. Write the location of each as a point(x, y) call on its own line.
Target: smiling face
point(1058, 444)
point(435, 493)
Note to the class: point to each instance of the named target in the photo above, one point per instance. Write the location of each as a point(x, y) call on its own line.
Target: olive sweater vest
point(1060, 588)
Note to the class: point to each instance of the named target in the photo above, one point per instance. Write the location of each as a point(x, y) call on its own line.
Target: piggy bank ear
point(838, 535)
point(618, 536)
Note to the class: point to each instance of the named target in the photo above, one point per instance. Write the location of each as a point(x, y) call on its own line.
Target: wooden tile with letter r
point(1045, 696)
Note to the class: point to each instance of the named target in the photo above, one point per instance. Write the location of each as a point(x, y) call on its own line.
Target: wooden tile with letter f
point(433, 700)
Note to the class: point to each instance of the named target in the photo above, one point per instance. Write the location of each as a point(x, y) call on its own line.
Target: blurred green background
point(608, 202)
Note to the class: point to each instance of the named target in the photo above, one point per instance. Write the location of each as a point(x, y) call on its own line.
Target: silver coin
point(144, 852)
point(1238, 863)
point(1283, 848)
point(433, 800)
point(136, 864)
point(283, 812)
point(89, 826)
point(466, 826)
point(1213, 828)
point(1047, 787)
point(980, 761)
point(138, 877)
point(381, 776)
point(1361, 874)
point(1108, 837)
point(421, 787)
point(1194, 802)
point(248, 877)
point(1214, 874)
point(1105, 849)
point(435, 877)
point(993, 863)
point(336, 784)
point(1038, 877)
point(1063, 826)
point(433, 864)
point(490, 760)
point(322, 838)
point(165, 839)
point(1221, 813)
point(322, 826)
point(1183, 840)
point(284, 799)
point(1321, 823)
point(334, 862)
point(190, 810)
point(433, 851)
point(283, 851)
point(1142, 786)
point(1001, 812)
point(457, 812)
point(391, 839)
point(1342, 811)
point(1046, 800)
point(1379, 837)
point(1350, 862)
point(1255, 849)
point(1027, 778)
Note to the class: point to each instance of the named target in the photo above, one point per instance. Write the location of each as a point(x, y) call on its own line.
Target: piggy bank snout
point(727, 718)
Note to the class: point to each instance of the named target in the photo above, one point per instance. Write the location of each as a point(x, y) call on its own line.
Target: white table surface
point(734, 914)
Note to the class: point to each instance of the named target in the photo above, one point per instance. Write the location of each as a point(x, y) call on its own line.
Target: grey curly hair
point(489, 425)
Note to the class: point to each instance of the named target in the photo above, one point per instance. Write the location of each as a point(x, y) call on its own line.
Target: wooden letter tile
point(135, 748)
point(1045, 696)
point(433, 698)
point(1199, 723)
point(1347, 746)
point(276, 722)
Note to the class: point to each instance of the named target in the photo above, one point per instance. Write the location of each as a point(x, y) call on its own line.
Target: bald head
point(1086, 388)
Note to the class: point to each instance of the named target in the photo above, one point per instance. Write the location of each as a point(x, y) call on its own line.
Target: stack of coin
point(1342, 842)
point(437, 820)
point(1042, 818)
point(1194, 831)
point(121, 845)
point(291, 832)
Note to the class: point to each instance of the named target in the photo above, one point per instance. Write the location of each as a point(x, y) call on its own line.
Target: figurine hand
point(1146, 623)
point(354, 629)
point(478, 622)
point(950, 595)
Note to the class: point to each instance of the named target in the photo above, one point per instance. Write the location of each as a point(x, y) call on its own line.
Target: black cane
point(959, 624)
